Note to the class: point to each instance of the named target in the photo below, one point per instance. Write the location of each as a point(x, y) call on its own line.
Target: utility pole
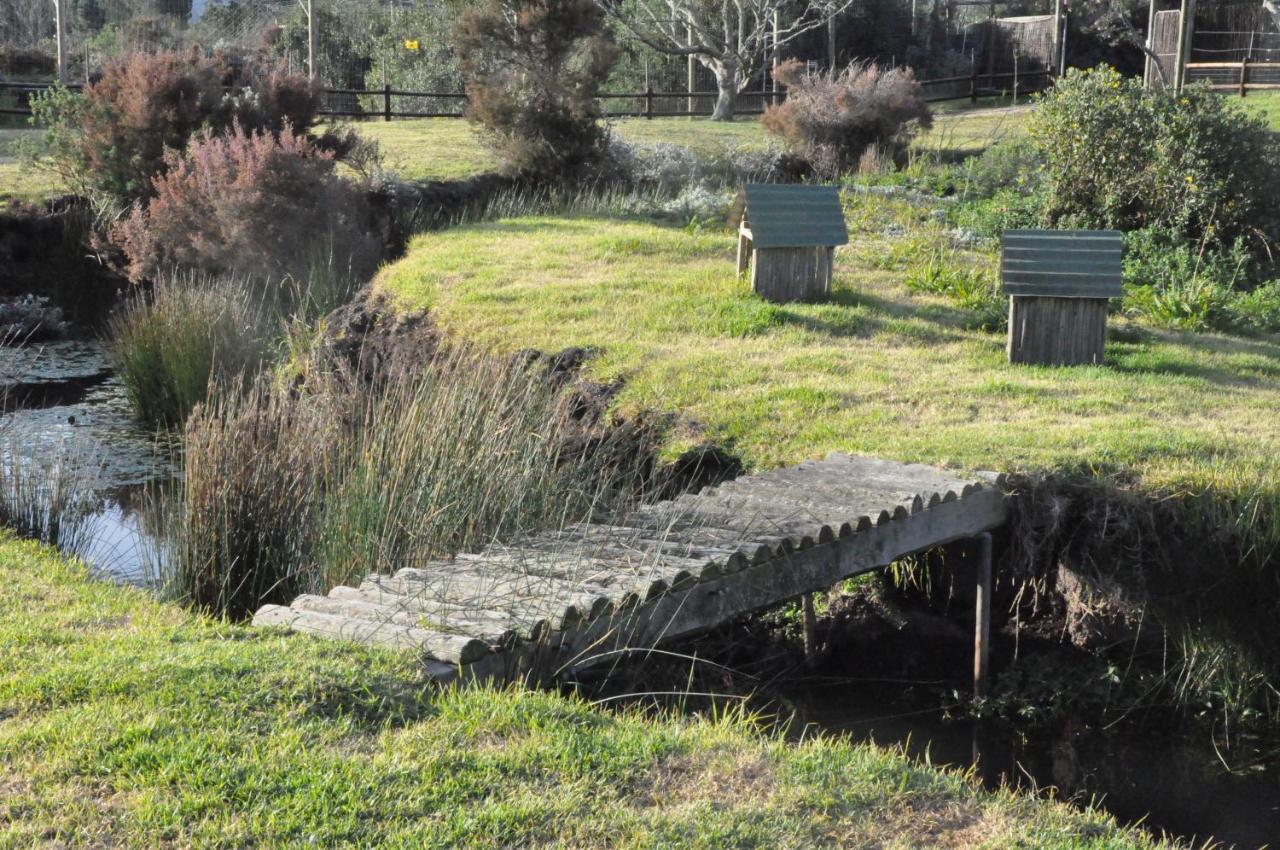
point(311, 39)
point(60, 29)
point(1186, 30)
point(1058, 40)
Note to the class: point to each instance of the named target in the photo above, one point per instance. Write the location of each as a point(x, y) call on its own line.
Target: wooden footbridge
point(549, 602)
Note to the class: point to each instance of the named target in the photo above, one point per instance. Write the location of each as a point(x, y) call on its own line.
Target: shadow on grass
point(371, 703)
point(868, 315)
point(1134, 351)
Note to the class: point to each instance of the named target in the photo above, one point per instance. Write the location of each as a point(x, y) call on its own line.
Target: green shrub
point(533, 70)
point(1006, 209)
point(1254, 312)
point(170, 343)
point(294, 489)
point(1012, 165)
point(1118, 155)
point(1178, 284)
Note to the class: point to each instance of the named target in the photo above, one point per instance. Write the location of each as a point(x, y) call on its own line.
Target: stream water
point(1177, 785)
point(64, 408)
point(63, 402)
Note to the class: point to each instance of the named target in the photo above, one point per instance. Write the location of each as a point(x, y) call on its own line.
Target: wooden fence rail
point(1241, 77)
point(380, 102)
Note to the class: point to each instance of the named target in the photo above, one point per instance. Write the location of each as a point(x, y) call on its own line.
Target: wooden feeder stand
point(788, 236)
point(1058, 283)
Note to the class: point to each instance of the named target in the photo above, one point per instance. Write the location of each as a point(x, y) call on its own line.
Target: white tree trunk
point(726, 89)
point(1273, 9)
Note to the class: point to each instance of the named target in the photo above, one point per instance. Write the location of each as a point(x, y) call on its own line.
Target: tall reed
point(293, 490)
point(189, 330)
point(43, 498)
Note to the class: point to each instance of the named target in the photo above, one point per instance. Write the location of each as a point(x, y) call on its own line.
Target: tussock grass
point(290, 490)
point(172, 341)
point(153, 726)
point(44, 498)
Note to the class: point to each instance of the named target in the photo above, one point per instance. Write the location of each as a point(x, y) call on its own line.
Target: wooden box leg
point(744, 253)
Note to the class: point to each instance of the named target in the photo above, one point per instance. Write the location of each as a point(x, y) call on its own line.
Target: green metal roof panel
point(1062, 263)
point(791, 216)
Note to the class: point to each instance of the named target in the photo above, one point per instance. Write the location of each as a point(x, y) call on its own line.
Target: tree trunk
point(727, 90)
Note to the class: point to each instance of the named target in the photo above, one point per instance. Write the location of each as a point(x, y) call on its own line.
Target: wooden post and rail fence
point(387, 103)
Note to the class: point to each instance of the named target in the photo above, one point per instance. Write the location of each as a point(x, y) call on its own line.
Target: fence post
point(60, 30)
point(1244, 75)
point(973, 85)
point(982, 618)
point(386, 101)
point(648, 102)
point(1015, 78)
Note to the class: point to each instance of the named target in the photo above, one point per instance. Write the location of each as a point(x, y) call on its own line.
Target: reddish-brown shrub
point(831, 121)
point(111, 142)
point(250, 203)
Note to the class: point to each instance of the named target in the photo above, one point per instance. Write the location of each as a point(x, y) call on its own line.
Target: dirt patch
point(943, 824)
point(682, 781)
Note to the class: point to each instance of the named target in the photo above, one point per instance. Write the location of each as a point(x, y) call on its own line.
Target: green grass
point(450, 149)
point(1265, 104)
point(876, 369)
point(125, 722)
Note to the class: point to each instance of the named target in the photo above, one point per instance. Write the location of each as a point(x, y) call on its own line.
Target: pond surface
point(64, 406)
point(1172, 784)
point(64, 403)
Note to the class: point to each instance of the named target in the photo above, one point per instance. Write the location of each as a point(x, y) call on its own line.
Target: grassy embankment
point(126, 722)
point(876, 369)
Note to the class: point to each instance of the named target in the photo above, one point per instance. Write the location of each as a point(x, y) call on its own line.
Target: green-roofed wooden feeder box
point(788, 236)
point(1059, 283)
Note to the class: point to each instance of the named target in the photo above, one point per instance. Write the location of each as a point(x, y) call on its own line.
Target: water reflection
point(1165, 783)
point(64, 405)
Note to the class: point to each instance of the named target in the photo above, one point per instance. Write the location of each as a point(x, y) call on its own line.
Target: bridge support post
point(982, 619)
point(810, 628)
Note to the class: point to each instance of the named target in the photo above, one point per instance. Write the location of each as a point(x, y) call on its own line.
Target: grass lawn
point(875, 370)
point(17, 181)
point(448, 148)
point(125, 722)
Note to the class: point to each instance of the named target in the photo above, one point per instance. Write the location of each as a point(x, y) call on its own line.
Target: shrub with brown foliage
point(832, 121)
point(250, 203)
point(110, 142)
point(533, 70)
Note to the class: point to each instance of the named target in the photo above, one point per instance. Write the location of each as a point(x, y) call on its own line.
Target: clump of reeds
point(43, 498)
point(290, 490)
point(172, 341)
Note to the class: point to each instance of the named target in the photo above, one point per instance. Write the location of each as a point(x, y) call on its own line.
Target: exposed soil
point(371, 338)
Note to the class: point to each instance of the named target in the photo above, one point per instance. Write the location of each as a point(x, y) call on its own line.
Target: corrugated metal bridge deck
point(549, 601)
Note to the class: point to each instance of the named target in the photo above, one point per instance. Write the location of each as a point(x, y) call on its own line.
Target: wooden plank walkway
point(547, 602)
